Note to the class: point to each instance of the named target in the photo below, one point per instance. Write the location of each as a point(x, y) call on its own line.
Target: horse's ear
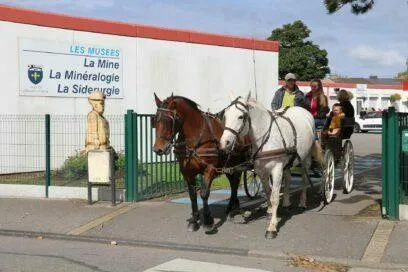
point(249, 96)
point(232, 95)
point(157, 99)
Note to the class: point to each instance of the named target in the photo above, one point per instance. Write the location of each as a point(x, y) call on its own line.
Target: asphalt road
point(366, 144)
point(24, 254)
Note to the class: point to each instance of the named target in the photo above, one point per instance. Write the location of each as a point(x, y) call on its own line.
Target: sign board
point(49, 68)
point(361, 89)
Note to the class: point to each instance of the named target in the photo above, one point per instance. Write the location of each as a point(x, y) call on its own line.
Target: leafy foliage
point(76, 167)
point(357, 6)
point(395, 97)
point(403, 75)
point(299, 55)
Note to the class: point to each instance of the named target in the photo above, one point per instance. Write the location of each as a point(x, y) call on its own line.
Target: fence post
point(47, 154)
point(393, 165)
point(129, 164)
point(385, 169)
point(135, 166)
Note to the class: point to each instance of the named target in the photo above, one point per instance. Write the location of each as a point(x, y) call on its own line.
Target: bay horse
point(195, 136)
point(278, 140)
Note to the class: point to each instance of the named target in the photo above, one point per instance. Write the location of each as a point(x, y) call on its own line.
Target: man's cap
point(97, 95)
point(290, 76)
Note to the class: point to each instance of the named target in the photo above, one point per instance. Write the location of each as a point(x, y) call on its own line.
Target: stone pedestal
point(101, 171)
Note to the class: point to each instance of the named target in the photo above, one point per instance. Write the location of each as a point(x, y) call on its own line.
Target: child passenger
point(335, 123)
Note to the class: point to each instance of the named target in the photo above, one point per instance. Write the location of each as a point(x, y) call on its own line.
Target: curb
point(126, 242)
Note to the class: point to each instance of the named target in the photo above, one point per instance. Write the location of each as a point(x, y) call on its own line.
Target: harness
point(181, 148)
point(291, 152)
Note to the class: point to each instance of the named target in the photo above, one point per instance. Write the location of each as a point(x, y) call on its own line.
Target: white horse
point(276, 137)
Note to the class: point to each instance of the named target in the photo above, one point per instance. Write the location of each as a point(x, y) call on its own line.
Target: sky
point(358, 46)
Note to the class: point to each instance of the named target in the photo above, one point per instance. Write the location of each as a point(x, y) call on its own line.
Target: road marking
point(100, 220)
point(195, 266)
point(376, 247)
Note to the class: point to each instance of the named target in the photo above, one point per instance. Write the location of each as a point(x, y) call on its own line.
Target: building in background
point(368, 93)
point(52, 61)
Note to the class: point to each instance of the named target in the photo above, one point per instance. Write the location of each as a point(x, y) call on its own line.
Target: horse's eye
point(241, 117)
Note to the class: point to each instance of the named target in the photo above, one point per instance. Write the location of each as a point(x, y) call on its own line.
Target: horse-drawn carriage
point(277, 139)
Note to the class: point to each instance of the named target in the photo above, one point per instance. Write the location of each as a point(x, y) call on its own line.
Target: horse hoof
point(209, 224)
point(232, 208)
point(301, 209)
point(208, 228)
point(271, 234)
point(193, 226)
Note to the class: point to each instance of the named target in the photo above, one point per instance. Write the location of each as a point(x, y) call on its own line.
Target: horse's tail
point(317, 153)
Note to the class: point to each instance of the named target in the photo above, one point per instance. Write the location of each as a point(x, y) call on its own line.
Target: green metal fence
point(148, 175)
point(68, 133)
point(403, 134)
point(45, 150)
point(22, 149)
point(394, 162)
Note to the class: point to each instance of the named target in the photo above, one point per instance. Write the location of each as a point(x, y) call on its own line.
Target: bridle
point(245, 117)
point(175, 119)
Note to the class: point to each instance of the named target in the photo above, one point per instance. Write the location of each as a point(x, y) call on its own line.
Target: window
point(372, 103)
point(385, 102)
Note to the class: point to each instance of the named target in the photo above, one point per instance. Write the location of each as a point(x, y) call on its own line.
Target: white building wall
point(203, 73)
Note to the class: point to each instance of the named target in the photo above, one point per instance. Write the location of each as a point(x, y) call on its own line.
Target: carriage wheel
point(328, 177)
point(252, 183)
point(348, 167)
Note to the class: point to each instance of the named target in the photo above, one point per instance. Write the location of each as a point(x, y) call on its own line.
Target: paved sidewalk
point(59, 216)
point(339, 232)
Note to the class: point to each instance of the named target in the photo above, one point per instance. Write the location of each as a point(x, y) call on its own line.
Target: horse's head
point(166, 122)
point(237, 123)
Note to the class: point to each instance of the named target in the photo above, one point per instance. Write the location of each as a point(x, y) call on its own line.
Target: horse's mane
point(191, 103)
point(254, 103)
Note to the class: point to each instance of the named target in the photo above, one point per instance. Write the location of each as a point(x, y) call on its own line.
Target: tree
point(299, 55)
point(357, 6)
point(403, 75)
point(395, 97)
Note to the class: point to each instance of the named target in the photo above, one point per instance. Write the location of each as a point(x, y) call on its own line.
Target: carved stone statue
point(97, 131)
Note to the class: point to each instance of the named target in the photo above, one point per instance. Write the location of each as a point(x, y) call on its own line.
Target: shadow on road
point(367, 182)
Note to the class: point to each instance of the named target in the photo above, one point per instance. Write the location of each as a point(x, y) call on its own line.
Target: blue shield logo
point(35, 73)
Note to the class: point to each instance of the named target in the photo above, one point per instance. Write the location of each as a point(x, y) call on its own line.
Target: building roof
point(375, 81)
point(47, 19)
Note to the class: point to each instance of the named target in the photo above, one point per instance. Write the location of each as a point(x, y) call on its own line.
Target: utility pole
point(406, 63)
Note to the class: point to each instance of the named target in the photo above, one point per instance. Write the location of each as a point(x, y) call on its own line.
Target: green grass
point(220, 182)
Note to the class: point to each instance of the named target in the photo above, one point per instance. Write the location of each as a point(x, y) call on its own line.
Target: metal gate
point(394, 162)
point(147, 175)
